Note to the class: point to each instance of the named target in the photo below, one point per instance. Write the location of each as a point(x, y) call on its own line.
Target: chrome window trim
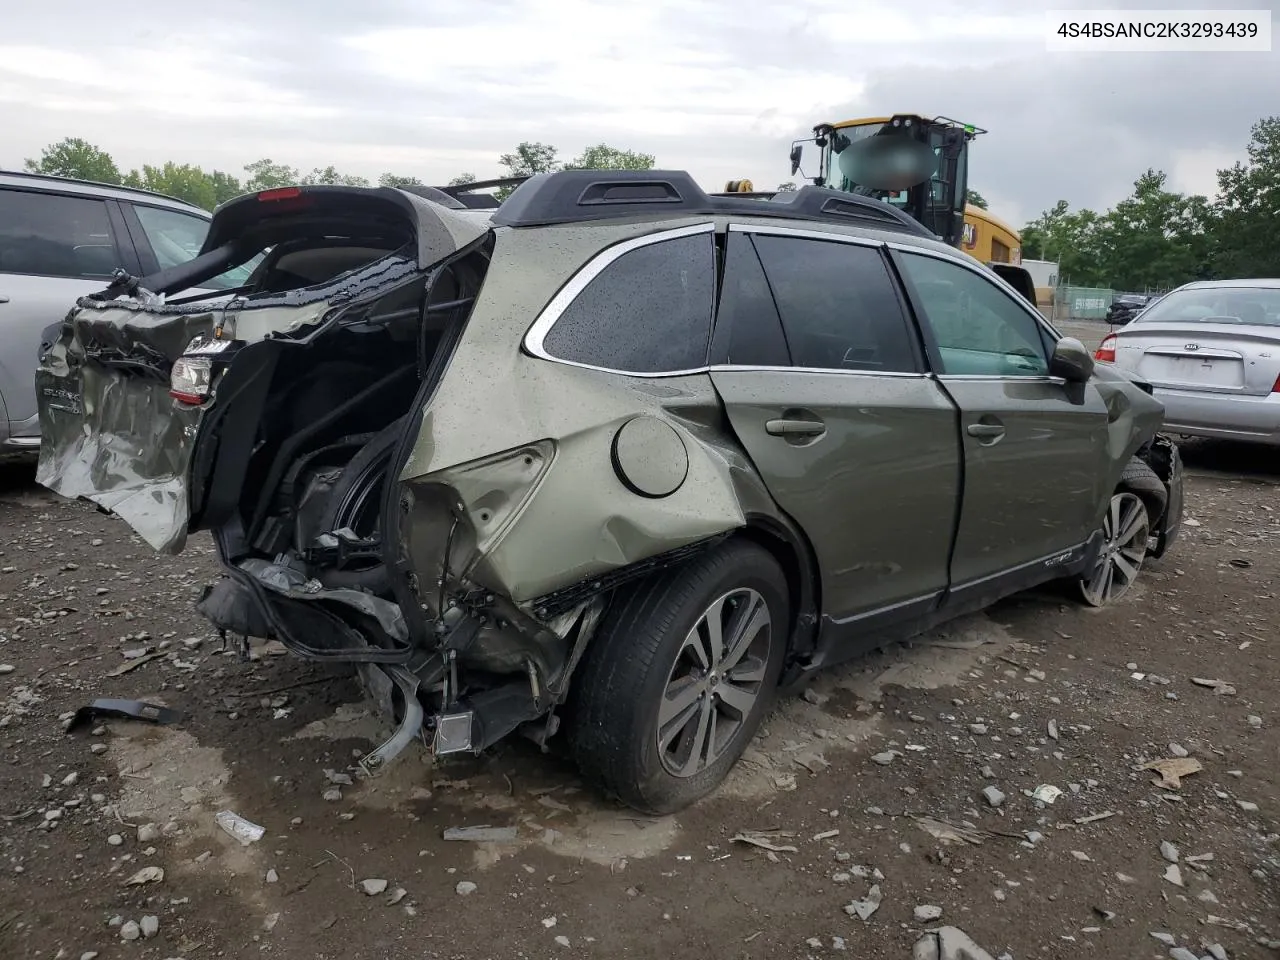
point(762, 368)
point(803, 234)
point(535, 338)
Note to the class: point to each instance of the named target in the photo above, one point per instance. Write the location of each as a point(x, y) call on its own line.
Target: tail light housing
point(1106, 351)
point(192, 374)
point(1275, 387)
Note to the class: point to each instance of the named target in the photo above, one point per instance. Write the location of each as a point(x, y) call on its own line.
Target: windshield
point(1249, 305)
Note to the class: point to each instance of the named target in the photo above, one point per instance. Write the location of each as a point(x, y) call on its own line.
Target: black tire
point(1142, 480)
point(622, 682)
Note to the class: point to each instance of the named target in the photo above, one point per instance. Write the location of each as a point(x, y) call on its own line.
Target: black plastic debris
point(122, 710)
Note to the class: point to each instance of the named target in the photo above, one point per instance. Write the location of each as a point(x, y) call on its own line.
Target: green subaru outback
point(612, 463)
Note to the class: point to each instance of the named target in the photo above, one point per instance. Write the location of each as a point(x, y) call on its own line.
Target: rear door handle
point(985, 430)
point(794, 428)
point(3, 298)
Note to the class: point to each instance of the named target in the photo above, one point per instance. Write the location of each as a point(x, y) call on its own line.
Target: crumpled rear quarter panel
point(581, 520)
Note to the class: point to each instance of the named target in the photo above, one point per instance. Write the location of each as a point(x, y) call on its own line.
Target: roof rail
point(581, 196)
point(96, 183)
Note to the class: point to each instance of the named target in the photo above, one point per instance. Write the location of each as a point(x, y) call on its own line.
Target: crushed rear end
point(247, 413)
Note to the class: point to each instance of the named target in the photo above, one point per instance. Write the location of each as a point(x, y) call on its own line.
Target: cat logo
point(970, 236)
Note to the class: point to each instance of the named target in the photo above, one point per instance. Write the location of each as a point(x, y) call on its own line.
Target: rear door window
point(839, 305)
point(177, 237)
point(648, 311)
point(53, 235)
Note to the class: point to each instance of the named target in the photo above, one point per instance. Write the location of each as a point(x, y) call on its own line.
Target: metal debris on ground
point(1172, 770)
point(122, 710)
point(948, 943)
point(764, 843)
point(1046, 793)
point(864, 908)
point(233, 824)
point(482, 834)
point(145, 875)
point(950, 833)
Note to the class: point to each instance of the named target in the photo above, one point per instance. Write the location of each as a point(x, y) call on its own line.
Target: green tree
point(977, 199)
point(396, 180)
point(266, 174)
point(329, 176)
point(604, 157)
point(186, 182)
point(786, 187)
point(462, 179)
point(1070, 238)
point(1244, 228)
point(78, 158)
point(1153, 239)
point(528, 159)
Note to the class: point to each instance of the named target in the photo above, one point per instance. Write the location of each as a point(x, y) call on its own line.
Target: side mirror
point(797, 152)
point(1071, 361)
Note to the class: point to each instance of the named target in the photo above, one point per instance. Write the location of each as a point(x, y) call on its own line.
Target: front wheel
point(678, 677)
point(1126, 532)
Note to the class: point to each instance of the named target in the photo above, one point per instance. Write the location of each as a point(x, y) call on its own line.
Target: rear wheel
point(1126, 532)
point(678, 677)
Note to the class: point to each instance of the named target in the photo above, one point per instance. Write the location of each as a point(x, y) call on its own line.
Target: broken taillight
point(1106, 351)
point(191, 378)
point(1275, 387)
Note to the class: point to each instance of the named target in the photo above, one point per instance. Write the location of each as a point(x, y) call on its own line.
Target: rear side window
point(839, 306)
point(649, 311)
point(46, 234)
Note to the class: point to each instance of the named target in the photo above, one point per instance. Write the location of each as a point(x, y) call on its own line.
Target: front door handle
point(794, 428)
point(985, 431)
point(3, 298)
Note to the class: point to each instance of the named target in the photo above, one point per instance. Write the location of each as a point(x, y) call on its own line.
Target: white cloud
point(718, 88)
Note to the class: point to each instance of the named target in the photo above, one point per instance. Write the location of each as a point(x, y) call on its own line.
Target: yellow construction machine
point(920, 165)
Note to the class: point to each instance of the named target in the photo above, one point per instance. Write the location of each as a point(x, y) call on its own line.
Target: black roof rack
point(581, 196)
point(96, 183)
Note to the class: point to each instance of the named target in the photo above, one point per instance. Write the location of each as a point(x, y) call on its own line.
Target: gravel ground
point(895, 797)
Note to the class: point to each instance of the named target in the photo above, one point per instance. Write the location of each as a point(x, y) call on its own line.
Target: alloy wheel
point(715, 682)
point(1126, 532)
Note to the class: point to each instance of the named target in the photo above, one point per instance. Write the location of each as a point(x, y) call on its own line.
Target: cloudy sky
point(715, 87)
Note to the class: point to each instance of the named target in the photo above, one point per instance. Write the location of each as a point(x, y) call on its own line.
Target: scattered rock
point(148, 833)
point(993, 796)
point(886, 758)
point(1168, 939)
point(978, 729)
point(1169, 851)
point(70, 779)
point(273, 877)
point(342, 779)
point(332, 794)
point(1173, 873)
point(1248, 806)
point(948, 943)
point(7, 668)
point(149, 926)
point(814, 697)
point(98, 748)
point(130, 931)
point(465, 888)
point(563, 941)
point(926, 913)
point(1178, 750)
point(374, 886)
point(1182, 953)
point(398, 894)
point(1255, 721)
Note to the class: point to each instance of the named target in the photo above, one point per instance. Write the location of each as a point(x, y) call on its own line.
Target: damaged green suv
point(616, 460)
